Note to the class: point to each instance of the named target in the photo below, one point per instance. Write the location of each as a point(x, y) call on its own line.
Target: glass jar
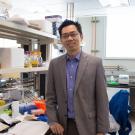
point(27, 59)
point(36, 59)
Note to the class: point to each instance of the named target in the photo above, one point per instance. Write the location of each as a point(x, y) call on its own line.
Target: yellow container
point(35, 55)
point(2, 102)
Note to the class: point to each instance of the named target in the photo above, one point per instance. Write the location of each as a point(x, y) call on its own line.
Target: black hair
point(70, 22)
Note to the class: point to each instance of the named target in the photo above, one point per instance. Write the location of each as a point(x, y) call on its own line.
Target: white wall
point(86, 28)
point(101, 32)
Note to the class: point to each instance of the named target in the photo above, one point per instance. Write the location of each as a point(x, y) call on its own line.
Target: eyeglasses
point(67, 35)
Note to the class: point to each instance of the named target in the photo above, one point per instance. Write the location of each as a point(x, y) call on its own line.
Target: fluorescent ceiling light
point(114, 3)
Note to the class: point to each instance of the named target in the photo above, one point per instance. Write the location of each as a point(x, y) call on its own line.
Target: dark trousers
point(71, 127)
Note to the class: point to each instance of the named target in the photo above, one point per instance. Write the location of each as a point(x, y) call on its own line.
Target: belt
point(71, 119)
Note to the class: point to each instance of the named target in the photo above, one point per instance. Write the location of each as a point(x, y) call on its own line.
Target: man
point(76, 97)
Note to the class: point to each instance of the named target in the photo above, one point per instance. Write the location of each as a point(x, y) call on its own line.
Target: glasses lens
point(67, 35)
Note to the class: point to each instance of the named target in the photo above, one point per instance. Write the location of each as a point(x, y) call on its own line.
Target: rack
point(23, 34)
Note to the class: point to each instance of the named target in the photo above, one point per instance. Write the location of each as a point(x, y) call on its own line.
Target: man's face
point(71, 38)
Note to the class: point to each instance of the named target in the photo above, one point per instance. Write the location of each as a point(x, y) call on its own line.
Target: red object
point(40, 104)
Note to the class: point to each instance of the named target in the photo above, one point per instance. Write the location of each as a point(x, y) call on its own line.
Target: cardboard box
point(11, 57)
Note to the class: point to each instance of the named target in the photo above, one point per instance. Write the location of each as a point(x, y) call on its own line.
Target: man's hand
point(57, 129)
point(100, 134)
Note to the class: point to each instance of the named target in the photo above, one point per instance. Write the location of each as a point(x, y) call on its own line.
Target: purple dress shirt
point(71, 72)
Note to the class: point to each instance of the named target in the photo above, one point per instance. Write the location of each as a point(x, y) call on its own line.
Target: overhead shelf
point(17, 31)
point(23, 70)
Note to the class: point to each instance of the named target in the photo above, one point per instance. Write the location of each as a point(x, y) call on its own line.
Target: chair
point(119, 108)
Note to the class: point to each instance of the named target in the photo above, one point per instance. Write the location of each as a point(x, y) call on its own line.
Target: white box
point(123, 79)
point(11, 57)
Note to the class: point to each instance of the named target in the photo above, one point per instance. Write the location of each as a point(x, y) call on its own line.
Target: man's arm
point(56, 128)
point(100, 134)
point(102, 106)
point(51, 102)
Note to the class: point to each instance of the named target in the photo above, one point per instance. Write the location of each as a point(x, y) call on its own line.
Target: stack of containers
point(56, 21)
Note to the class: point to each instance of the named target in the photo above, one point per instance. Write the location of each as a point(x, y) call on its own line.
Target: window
point(120, 36)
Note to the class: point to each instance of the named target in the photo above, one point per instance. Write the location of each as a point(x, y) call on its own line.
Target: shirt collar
point(77, 56)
